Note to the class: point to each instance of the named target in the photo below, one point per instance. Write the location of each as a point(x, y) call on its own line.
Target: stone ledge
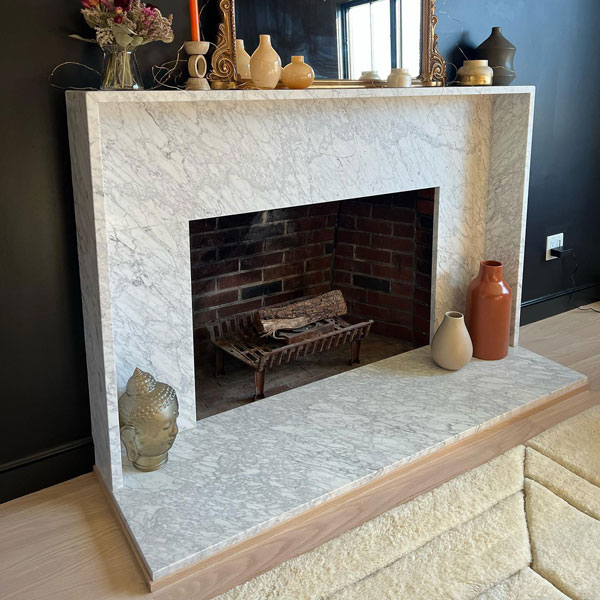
point(242, 472)
point(310, 94)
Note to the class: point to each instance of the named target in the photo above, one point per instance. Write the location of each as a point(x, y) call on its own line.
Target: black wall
point(45, 414)
point(557, 43)
point(306, 28)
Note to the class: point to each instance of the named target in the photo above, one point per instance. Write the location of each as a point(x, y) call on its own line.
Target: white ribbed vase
point(451, 346)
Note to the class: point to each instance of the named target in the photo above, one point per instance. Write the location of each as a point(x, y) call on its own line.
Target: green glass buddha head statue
point(148, 414)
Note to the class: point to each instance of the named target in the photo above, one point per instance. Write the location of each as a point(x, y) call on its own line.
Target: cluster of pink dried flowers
point(126, 23)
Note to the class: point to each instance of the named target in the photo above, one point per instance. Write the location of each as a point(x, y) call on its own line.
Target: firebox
point(376, 251)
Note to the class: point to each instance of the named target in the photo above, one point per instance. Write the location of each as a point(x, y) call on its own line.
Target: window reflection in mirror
point(366, 43)
point(338, 38)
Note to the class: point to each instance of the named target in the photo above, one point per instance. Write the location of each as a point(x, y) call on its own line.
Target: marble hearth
point(146, 164)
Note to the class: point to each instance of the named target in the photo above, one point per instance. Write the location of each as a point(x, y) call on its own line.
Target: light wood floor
point(63, 543)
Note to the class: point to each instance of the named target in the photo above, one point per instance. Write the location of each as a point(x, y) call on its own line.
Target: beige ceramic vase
point(399, 78)
point(242, 60)
point(265, 65)
point(475, 72)
point(297, 75)
point(451, 346)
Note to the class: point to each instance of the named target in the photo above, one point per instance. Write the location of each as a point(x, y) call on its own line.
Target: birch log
point(298, 314)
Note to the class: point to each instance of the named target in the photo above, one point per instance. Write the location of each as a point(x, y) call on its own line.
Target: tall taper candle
point(195, 20)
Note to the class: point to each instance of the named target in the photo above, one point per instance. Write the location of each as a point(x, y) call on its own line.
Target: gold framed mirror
point(431, 65)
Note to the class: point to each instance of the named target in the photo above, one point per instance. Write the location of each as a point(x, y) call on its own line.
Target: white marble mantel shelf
point(243, 471)
point(309, 94)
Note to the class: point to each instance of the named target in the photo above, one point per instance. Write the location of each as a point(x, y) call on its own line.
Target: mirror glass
point(340, 39)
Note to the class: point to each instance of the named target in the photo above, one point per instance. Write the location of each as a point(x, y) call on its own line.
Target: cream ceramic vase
point(399, 78)
point(242, 60)
point(369, 76)
point(451, 346)
point(265, 65)
point(297, 75)
point(475, 72)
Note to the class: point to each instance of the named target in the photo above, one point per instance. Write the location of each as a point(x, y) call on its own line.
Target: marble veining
point(242, 471)
point(146, 163)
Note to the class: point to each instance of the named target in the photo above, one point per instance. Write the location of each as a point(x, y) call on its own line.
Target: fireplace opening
point(376, 251)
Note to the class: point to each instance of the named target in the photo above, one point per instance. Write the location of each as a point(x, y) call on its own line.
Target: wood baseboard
point(46, 468)
point(303, 533)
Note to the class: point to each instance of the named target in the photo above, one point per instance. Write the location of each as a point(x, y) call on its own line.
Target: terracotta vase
point(500, 54)
point(451, 346)
point(489, 300)
point(265, 65)
point(242, 59)
point(297, 75)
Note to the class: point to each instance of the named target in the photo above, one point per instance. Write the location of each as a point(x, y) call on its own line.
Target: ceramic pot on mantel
point(475, 72)
point(297, 75)
point(489, 300)
point(265, 65)
point(399, 78)
point(500, 54)
point(451, 346)
point(242, 61)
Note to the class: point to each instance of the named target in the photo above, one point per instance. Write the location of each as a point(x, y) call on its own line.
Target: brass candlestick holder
point(197, 66)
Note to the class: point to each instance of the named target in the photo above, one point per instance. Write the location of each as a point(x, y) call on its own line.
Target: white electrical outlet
point(554, 241)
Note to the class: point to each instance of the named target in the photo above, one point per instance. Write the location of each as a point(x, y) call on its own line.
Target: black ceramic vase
point(500, 54)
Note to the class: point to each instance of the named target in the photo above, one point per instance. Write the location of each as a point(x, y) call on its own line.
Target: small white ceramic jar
point(399, 78)
point(369, 76)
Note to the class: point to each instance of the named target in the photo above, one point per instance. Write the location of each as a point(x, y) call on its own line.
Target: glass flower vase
point(120, 69)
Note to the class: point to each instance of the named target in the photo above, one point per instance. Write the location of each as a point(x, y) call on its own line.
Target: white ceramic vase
point(242, 60)
point(451, 346)
point(399, 78)
point(265, 65)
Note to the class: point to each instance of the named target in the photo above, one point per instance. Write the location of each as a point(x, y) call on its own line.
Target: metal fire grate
point(237, 336)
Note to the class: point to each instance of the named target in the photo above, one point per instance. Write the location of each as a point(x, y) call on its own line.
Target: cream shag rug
point(524, 585)
point(458, 564)
point(574, 444)
point(575, 490)
point(565, 543)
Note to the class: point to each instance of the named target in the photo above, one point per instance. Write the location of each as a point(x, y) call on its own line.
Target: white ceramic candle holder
point(197, 65)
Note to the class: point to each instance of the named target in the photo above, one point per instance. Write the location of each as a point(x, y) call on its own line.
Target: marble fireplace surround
point(147, 163)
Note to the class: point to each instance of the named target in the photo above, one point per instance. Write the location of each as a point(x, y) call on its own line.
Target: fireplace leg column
point(259, 385)
point(219, 362)
point(355, 352)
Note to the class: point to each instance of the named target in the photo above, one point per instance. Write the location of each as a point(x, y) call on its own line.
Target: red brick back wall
point(378, 262)
point(377, 251)
point(243, 262)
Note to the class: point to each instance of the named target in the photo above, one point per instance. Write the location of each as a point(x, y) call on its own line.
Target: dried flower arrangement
point(126, 23)
point(121, 26)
